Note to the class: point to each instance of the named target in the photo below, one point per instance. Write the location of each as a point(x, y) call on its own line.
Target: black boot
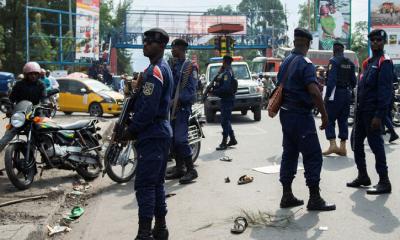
point(382, 187)
point(223, 144)
point(288, 199)
point(393, 136)
point(232, 140)
point(144, 232)
point(316, 203)
point(191, 173)
point(361, 180)
point(178, 172)
point(160, 231)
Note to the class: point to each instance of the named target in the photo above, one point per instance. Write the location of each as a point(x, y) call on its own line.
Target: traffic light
point(230, 43)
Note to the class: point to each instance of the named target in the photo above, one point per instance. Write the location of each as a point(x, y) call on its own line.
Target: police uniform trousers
point(180, 127)
point(363, 130)
point(300, 136)
point(338, 109)
point(150, 173)
point(226, 116)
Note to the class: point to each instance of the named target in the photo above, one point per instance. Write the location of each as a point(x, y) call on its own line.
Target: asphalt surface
point(206, 208)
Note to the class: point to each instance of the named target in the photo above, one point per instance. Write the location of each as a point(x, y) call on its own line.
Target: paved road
point(205, 209)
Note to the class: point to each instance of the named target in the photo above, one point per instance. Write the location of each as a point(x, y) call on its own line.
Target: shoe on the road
point(380, 188)
point(232, 142)
point(393, 137)
point(142, 237)
point(189, 177)
point(160, 234)
point(319, 204)
point(360, 181)
point(289, 200)
point(175, 174)
point(222, 146)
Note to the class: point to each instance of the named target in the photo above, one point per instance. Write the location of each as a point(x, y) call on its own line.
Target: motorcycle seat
point(76, 125)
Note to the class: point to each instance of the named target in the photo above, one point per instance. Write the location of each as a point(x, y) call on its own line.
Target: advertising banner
point(333, 22)
point(87, 29)
point(386, 15)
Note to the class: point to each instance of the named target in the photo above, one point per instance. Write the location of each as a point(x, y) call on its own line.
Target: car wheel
point(67, 113)
point(257, 114)
point(95, 110)
point(244, 112)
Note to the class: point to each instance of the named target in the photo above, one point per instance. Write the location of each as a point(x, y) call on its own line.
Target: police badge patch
point(148, 88)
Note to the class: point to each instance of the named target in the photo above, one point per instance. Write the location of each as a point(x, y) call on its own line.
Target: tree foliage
point(304, 17)
point(359, 43)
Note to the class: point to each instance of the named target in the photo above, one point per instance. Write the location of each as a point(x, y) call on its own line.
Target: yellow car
point(88, 95)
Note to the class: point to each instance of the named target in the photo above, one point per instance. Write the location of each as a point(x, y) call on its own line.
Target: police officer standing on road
point(373, 101)
point(300, 93)
point(224, 90)
point(151, 128)
point(341, 81)
point(185, 81)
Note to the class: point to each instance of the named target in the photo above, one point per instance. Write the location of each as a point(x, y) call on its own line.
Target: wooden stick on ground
point(22, 200)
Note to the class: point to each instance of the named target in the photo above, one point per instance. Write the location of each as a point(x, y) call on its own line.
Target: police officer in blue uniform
point(185, 78)
point(341, 81)
point(224, 89)
point(151, 128)
point(373, 101)
point(300, 93)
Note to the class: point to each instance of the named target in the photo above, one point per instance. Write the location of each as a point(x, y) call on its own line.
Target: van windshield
point(240, 71)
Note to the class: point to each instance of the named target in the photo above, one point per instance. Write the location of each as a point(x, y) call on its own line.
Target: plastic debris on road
point(323, 228)
point(76, 212)
point(57, 229)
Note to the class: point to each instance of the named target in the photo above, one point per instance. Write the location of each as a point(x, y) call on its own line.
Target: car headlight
point(253, 89)
point(107, 99)
point(18, 119)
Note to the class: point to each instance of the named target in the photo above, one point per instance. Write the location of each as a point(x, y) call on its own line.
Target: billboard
point(87, 29)
point(386, 15)
point(333, 18)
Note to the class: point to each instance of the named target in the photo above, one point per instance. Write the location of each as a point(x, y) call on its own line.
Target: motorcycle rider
point(185, 81)
point(30, 89)
point(45, 79)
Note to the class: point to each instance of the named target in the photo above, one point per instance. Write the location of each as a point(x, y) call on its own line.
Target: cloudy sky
point(359, 10)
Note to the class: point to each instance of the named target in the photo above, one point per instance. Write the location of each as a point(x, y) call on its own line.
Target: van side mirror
point(83, 90)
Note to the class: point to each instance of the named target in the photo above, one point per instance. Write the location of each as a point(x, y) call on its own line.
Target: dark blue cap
point(303, 33)
point(157, 34)
point(338, 43)
point(179, 42)
point(378, 33)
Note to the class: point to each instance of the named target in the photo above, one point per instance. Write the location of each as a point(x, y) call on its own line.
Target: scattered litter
point(226, 159)
point(77, 193)
point(227, 180)
point(245, 179)
point(22, 200)
point(76, 212)
point(272, 169)
point(170, 195)
point(239, 225)
point(259, 218)
point(323, 228)
point(78, 186)
point(54, 189)
point(203, 227)
point(57, 229)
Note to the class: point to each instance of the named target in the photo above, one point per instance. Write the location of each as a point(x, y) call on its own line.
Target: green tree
point(41, 47)
point(359, 43)
point(304, 15)
point(221, 10)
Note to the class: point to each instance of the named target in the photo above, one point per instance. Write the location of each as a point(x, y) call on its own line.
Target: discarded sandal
point(239, 225)
point(226, 159)
point(245, 179)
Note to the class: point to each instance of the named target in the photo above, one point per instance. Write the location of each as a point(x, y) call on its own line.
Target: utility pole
point(309, 16)
point(70, 16)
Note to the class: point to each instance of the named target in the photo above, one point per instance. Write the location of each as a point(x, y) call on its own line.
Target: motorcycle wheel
point(13, 159)
point(120, 163)
point(90, 172)
point(195, 150)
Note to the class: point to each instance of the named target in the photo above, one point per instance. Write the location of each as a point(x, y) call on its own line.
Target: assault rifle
point(209, 88)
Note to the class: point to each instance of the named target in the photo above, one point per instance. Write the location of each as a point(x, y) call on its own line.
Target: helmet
point(32, 67)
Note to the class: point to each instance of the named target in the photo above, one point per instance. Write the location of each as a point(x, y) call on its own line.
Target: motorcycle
point(120, 158)
point(5, 105)
point(50, 145)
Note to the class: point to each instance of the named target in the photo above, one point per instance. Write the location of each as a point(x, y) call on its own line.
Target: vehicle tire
point(111, 160)
point(210, 115)
point(13, 161)
point(244, 112)
point(396, 115)
point(95, 110)
point(68, 113)
point(195, 150)
point(90, 172)
point(257, 114)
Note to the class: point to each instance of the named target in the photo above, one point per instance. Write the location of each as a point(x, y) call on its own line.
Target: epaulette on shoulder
point(386, 57)
point(307, 59)
point(158, 74)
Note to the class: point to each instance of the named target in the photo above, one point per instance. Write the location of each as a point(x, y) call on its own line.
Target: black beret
point(304, 33)
point(157, 34)
point(338, 43)
point(179, 42)
point(227, 58)
point(379, 33)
